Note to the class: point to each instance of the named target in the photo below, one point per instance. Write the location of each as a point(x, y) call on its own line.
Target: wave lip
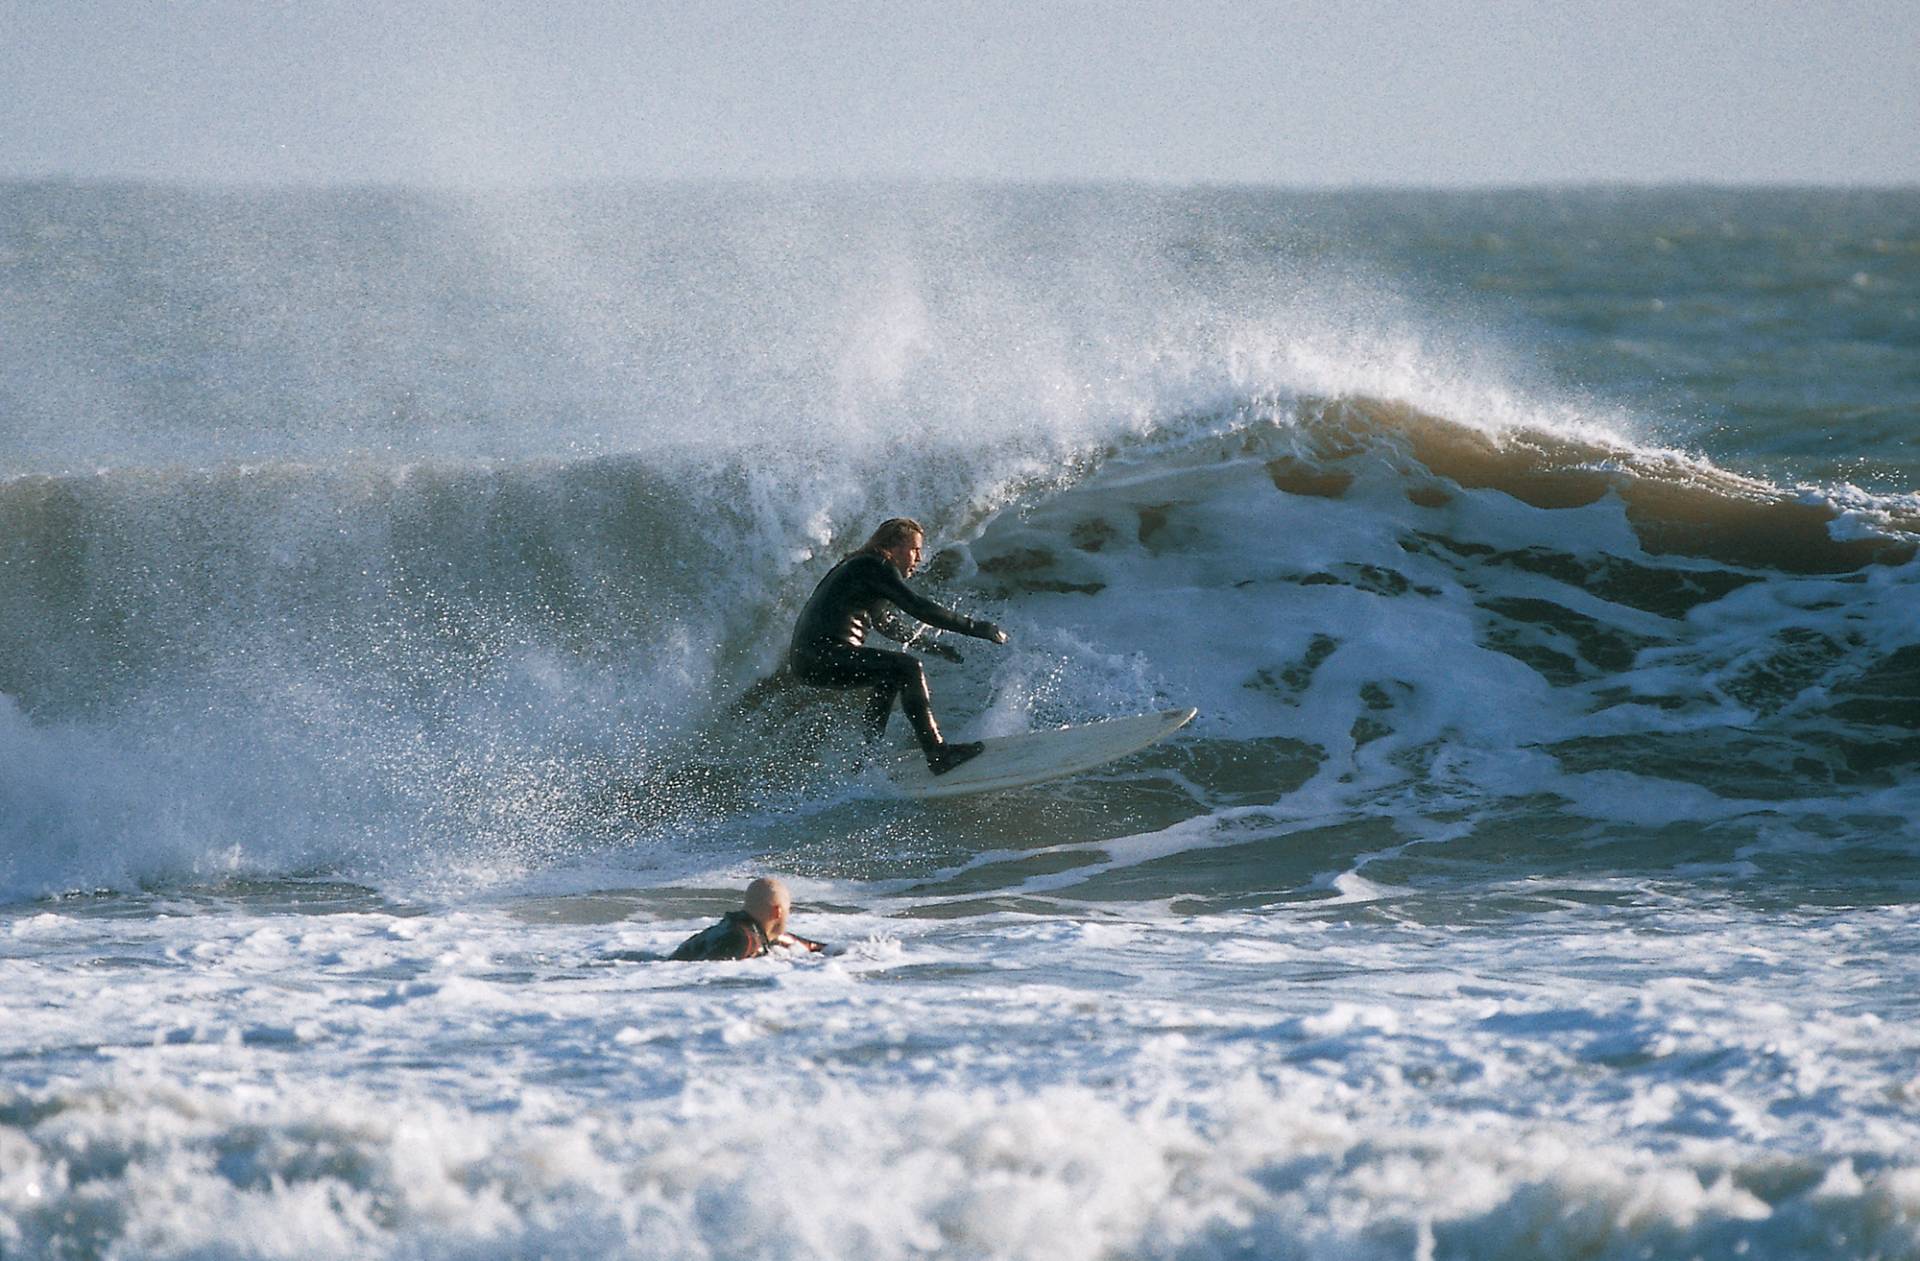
point(1677, 504)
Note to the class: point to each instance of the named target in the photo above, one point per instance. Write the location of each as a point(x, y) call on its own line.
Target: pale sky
point(1325, 92)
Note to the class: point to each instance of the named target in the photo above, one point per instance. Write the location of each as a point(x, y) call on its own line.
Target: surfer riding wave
point(829, 646)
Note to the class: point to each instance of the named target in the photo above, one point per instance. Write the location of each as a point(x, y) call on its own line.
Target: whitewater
point(390, 583)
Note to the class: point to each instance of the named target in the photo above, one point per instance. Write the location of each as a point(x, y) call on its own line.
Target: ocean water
point(386, 579)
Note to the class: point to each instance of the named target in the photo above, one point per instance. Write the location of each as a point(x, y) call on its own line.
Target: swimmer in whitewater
point(747, 933)
point(829, 641)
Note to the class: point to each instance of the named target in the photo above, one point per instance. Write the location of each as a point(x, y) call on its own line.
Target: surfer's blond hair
point(892, 532)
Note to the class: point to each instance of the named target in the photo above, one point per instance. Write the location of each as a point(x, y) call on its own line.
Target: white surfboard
point(1034, 757)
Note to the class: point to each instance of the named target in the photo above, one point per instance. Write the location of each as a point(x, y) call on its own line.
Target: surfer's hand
point(946, 652)
point(992, 633)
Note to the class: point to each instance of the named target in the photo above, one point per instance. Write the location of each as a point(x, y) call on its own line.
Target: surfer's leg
point(916, 698)
point(892, 674)
point(895, 674)
point(840, 666)
point(879, 709)
point(760, 694)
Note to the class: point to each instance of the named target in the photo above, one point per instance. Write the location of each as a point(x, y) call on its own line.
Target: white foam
point(994, 1086)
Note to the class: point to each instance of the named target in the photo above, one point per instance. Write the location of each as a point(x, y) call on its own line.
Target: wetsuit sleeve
point(890, 587)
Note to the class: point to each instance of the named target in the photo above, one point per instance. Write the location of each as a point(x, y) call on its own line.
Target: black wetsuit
point(737, 936)
point(829, 641)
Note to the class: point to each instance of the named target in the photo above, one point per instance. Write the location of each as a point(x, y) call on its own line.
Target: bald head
point(768, 902)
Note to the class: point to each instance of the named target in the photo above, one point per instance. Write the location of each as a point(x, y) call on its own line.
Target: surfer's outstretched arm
point(894, 589)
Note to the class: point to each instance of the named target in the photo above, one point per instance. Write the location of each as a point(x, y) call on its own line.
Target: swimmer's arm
point(795, 939)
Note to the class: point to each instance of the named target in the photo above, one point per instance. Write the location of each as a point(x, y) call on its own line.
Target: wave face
point(1379, 611)
point(371, 533)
